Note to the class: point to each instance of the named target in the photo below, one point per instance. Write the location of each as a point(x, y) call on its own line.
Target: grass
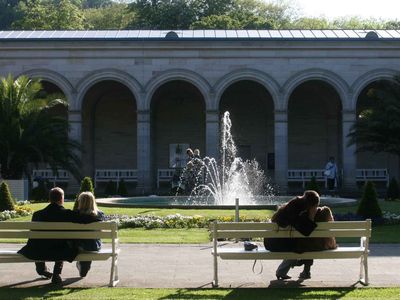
point(380, 234)
point(253, 293)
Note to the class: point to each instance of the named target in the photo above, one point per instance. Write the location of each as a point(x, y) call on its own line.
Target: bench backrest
point(261, 230)
point(59, 230)
point(116, 174)
point(306, 174)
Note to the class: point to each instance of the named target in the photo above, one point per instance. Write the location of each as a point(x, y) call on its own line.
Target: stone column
point(349, 156)
point(143, 151)
point(212, 133)
point(281, 150)
point(75, 133)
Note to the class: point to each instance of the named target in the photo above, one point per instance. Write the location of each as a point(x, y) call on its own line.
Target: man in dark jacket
point(57, 250)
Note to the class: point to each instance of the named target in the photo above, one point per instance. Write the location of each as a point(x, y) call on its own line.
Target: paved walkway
point(191, 266)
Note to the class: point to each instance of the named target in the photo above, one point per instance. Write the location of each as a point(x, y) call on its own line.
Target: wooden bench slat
point(340, 252)
point(56, 234)
point(274, 226)
point(293, 234)
point(57, 225)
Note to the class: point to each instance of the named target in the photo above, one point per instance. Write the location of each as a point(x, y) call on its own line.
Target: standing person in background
point(298, 213)
point(87, 206)
point(331, 174)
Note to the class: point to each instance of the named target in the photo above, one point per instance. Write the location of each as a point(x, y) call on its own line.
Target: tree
point(393, 191)
point(29, 133)
point(115, 16)
point(96, 3)
point(216, 22)
point(8, 13)
point(49, 14)
point(162, 14)
point(86, 186)
point(311, 23)
point(377, 128)
point(6, 200)
point(369, 207)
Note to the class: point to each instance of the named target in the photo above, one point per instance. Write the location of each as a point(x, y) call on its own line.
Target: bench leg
point(215, 281)
point(114, 272)
point(364, 270)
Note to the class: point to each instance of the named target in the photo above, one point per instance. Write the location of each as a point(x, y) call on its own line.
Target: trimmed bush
point(86, 186)
point(111, 188)
point(369, 207)
point(6, 200)
point(313, 185)
point(122, 190)
point(393, 192)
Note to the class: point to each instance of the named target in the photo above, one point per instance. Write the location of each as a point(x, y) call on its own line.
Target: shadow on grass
point(260, 293)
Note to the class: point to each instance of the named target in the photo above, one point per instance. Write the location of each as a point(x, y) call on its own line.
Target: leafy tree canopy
point(29, 133)
point(49, 15)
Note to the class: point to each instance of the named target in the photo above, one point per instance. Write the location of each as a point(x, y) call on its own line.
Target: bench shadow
point(26, 282)
point(290, 292)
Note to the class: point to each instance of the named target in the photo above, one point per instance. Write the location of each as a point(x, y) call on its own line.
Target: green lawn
point(380, 234)
point(253, 294)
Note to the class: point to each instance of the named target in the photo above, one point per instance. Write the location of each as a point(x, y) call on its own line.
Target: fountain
point(216, 184)
point(220, 183)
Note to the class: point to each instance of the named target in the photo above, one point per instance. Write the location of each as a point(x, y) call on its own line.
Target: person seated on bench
point(87, 205)
point(57, 250)
point(298, 213)
point(323, 214)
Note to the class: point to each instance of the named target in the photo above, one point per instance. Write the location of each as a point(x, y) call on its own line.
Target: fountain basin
point(184, 202)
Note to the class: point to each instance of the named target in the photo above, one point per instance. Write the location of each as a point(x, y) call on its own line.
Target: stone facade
point(129, 99)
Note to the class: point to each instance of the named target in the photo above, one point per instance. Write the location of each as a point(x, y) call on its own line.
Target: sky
point(378, 9)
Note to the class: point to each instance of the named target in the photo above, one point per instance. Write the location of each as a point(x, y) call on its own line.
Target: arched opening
point(178, 120)
point(369, 160)
point(314, 126)
point(109, 125)
point(251, 110)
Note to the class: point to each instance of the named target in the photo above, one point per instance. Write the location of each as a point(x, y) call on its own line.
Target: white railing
point(48, 174)
point(106, 175)
point(305, 175)
point(363, 175)
point(164, 175)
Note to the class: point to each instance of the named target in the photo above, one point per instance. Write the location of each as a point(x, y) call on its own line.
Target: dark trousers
point(84, 267)
point(41, 267)
point(285, 265)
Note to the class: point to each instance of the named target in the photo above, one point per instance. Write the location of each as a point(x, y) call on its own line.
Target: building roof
point(199, 35)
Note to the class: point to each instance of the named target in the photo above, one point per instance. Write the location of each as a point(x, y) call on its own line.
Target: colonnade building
point(134, 95)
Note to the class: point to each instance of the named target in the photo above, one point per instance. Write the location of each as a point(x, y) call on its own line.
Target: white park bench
point(363, 175)
point(164, 175)
point(246, 230)
point(305, 175)
point(61, 230)
point(115, 175)
point(54, 177)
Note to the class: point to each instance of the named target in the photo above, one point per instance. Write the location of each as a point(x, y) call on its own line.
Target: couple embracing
point(301, 213)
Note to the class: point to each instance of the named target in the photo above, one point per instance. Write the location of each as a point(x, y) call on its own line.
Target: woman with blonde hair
point(87, 205)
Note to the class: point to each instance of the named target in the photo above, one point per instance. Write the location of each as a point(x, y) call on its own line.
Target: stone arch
point(262, 78)
point(54, 78)
point(177, 74)
point(107, 74)
point(333, 79)
point(367, 78)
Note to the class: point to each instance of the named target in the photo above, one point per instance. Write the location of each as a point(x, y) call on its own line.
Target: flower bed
point(171, 221)
point(20, 211)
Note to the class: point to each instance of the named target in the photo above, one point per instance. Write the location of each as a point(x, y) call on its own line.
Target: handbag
point(327, 172)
